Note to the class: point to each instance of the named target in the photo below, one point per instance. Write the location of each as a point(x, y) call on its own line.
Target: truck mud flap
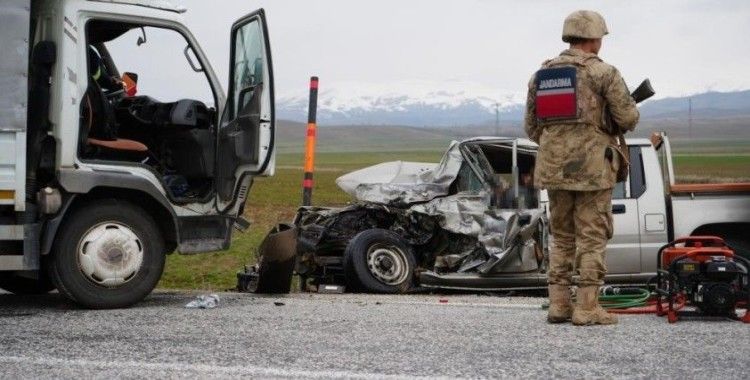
point(273, 273)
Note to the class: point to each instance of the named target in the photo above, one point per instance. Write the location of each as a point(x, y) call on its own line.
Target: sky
point(684, 47)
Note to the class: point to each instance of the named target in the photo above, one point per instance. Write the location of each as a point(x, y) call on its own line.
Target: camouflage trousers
point(581, 225)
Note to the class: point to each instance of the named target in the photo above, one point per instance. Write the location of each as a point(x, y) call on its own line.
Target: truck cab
point(105, 170)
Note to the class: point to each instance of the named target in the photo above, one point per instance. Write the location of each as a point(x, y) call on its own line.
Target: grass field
point(712, 167)
point(274, 200)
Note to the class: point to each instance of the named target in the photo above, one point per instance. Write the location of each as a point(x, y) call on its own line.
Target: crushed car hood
point(401, 182)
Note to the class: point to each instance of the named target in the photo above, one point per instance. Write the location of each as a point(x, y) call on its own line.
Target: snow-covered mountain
point(412, 104)
point(422, 104)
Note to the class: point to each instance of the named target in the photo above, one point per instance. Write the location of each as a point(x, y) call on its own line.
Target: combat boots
point(588, 311)
point(560, 307)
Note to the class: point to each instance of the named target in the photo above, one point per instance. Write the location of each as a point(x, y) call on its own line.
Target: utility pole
point(690, 118)
point(497, 119)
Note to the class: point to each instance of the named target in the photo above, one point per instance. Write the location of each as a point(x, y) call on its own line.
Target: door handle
point(618, 209)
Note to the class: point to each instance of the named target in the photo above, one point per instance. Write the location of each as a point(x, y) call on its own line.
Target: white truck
point(99, 183)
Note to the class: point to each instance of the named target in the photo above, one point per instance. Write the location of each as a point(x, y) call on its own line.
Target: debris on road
point(208, 301)
point(273, 272)
point(277, 303)
point(331, 289)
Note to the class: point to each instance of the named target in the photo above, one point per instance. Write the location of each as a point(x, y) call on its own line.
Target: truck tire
point(26, 286)
point(379, 261)
point(107, 254)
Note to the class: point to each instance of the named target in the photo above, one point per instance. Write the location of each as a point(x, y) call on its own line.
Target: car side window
point(637, 173)
point(619, 191)
point(466, 180)
point(635, 185)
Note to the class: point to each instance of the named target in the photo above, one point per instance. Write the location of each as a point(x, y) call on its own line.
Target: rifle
point(641, 93)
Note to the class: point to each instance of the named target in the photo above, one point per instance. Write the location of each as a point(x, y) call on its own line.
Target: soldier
point(569, 99)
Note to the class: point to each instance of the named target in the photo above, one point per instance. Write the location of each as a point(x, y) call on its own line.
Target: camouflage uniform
point(577, 163)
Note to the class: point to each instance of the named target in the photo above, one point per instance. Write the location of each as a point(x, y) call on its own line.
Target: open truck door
point(246, 134)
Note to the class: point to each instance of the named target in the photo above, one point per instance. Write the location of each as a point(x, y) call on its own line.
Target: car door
point(245, 146)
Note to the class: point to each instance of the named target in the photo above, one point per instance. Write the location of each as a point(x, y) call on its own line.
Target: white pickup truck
point(651, 209)
point(465, 223)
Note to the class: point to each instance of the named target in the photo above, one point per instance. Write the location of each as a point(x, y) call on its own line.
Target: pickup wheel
point(108, 254)
point(740, 245)
point(379, 261)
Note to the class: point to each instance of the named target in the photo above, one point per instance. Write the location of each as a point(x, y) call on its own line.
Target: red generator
point(703, 272)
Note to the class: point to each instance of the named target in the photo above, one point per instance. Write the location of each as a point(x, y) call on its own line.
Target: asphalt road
point(353, 336)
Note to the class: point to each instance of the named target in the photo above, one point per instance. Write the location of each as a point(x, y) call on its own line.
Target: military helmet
point(584, 24)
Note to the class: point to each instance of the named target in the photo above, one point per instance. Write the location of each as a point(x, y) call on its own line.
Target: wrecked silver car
point(471, 222)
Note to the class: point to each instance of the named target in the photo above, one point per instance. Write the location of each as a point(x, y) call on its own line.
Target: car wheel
point(379, 261)
point(108, 254)
point(26, 286)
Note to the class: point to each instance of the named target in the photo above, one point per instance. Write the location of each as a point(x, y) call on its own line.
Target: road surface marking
point(208, 369)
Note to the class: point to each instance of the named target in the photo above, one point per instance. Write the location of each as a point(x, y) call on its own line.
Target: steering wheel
point(134, 109)
point(115, 95)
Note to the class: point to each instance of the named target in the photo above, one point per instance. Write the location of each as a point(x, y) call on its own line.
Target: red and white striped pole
point(307, 183)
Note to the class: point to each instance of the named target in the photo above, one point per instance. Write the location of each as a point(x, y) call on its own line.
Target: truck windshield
point(163, 71)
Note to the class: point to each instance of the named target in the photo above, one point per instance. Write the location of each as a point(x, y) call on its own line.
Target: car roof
point(522, 142)
point(638, 141)
point(528, 144)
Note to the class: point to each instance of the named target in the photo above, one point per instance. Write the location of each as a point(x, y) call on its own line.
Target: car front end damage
point(460, 224)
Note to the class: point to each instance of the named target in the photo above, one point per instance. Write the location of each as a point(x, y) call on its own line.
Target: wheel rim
point(388, 264)
point(110, 254)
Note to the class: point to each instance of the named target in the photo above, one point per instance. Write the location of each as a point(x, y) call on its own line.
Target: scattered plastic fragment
point(443, 300)
point(207, 301)
point(278, 303)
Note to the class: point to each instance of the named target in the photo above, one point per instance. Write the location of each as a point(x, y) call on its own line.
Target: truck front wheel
point(107, 254)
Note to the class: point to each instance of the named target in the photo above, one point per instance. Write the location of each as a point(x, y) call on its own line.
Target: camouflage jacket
point(578, 154)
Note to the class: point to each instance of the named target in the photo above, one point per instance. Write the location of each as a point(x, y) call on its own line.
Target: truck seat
point(119, 144)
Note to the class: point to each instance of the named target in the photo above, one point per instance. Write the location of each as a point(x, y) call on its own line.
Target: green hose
point(621, 301)
point(624, 301)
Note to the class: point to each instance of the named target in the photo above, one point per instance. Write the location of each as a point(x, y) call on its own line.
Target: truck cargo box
point(14, 72)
